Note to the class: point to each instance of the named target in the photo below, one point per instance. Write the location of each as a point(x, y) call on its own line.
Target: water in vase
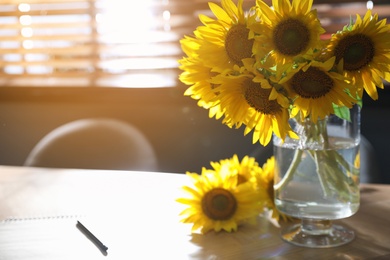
point(321, 183)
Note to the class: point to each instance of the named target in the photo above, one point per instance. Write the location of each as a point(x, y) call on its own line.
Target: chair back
point(94, 143)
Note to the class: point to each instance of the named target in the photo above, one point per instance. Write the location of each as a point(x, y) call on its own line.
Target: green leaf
point(342, 112)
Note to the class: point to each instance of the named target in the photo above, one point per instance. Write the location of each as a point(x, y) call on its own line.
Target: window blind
point(109, 43)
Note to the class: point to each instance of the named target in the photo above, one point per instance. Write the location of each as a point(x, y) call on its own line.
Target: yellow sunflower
point(364, 52)
point(265, 181)
point(198, 76)
point(288, 29)
point(226, 39)
point(216, 201)
point(245, 170)
point(244, 101)
point(315, 88)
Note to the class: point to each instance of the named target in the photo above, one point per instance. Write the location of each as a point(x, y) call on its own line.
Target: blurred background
point(63, 60)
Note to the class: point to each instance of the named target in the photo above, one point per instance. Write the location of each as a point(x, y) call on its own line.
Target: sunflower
point(288, 29)
point(244, 101)
point(245, 170)
point(197, 76)
point(363, 52)
point(265, 181)
point(315, 89)
point(217, 202)
point(226, 39)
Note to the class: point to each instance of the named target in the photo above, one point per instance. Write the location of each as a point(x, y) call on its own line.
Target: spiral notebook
point(48, 238)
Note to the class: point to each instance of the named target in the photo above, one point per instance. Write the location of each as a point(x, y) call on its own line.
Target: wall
point(375, 127)
point(183, 136)
point(181, 133)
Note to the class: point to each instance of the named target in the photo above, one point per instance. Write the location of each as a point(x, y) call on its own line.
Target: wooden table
point(136, 216)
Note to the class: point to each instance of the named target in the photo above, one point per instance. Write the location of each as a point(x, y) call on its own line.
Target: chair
point(94, 143)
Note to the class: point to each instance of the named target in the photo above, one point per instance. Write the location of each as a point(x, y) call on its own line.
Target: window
point(110, 43)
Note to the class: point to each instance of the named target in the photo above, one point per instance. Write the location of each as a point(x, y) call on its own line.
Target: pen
point(92, 237)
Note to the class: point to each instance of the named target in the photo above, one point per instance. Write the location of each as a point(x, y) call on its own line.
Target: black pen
point(92, 237)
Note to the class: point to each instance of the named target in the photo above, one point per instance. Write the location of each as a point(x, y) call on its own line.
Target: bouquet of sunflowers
point(259, 68)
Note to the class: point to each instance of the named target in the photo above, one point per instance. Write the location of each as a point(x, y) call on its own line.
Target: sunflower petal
point(231, 9)
point(219, 12)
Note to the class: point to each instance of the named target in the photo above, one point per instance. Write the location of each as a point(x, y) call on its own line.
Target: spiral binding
point(37, 218)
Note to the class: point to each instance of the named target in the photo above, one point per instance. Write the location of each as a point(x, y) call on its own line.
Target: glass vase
point(317, 179)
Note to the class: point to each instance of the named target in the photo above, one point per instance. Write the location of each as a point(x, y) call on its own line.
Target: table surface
point(135, 215)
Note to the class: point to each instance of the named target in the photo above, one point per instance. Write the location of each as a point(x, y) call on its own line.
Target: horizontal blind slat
point(76, 63)
point(42, 2)
point(123, 50)
point(149, 79)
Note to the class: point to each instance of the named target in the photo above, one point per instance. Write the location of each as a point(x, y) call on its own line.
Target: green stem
point(291, 170)
point(320, 172)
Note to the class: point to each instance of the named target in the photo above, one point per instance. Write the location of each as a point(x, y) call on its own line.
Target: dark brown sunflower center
point(314, 83)
point(258, 98)
point(219, 204)
point(237, 44)
point(357, 50)
point(291, 37)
